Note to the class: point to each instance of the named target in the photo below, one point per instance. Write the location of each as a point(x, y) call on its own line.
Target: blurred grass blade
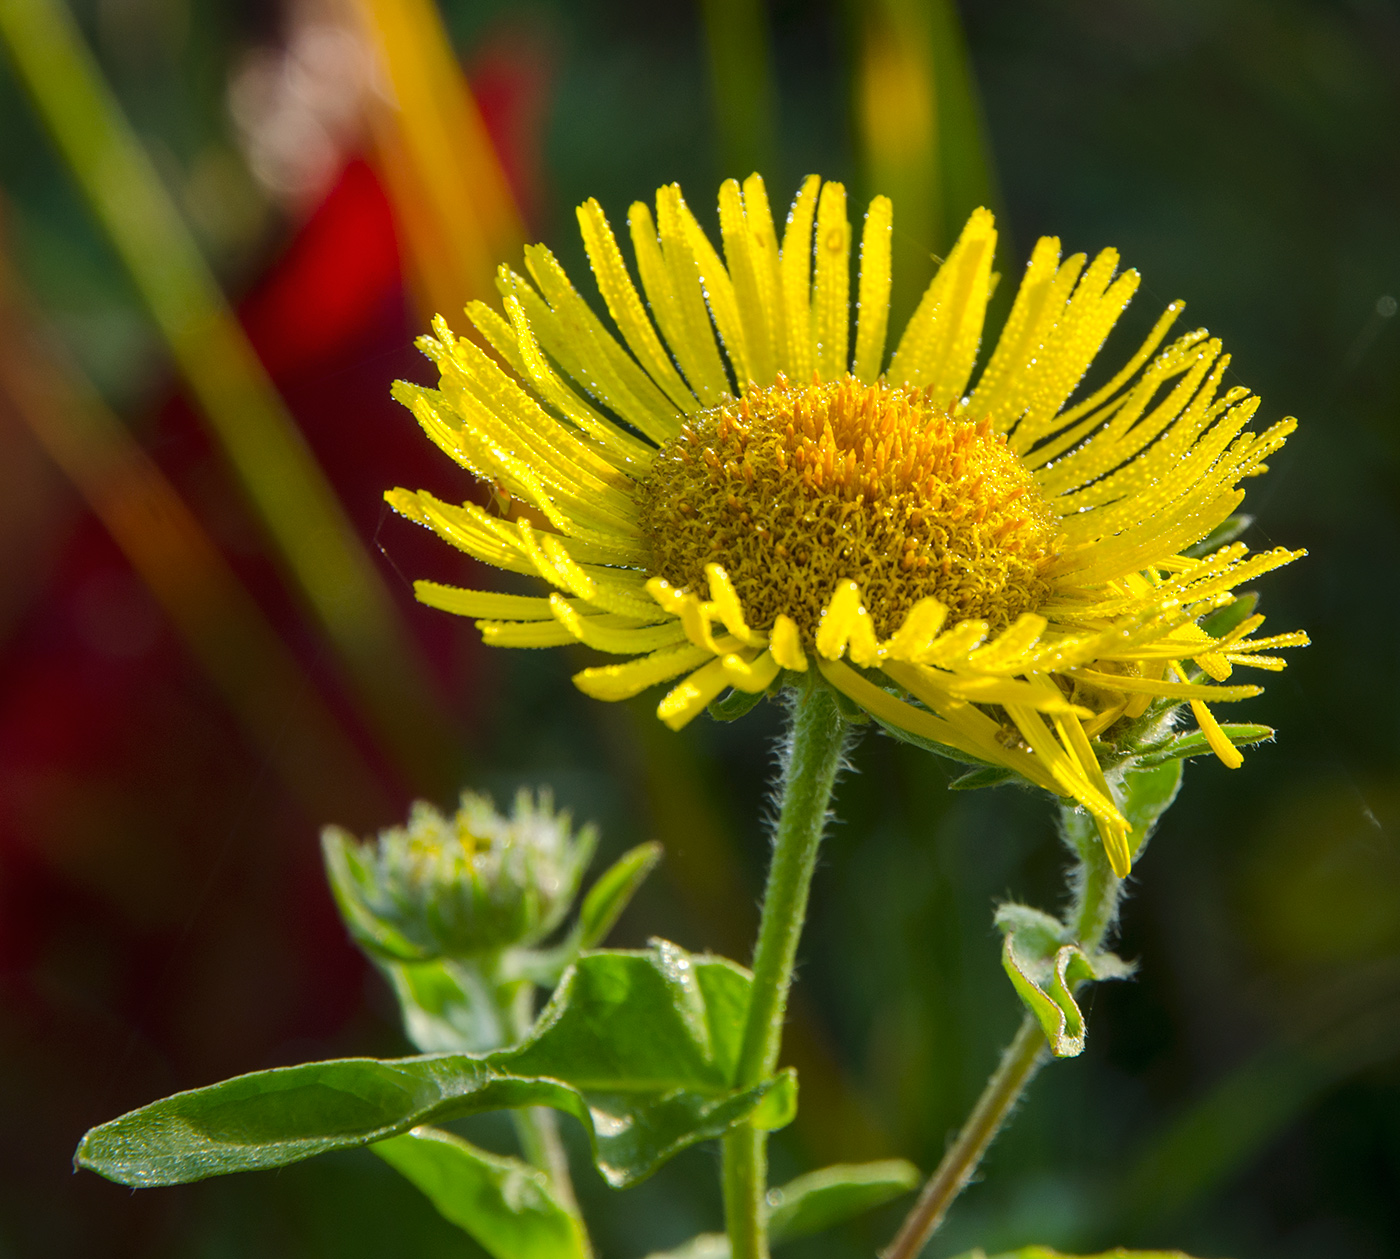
point(741, 81)
point(919, 131)
point(450, 195)
point(186, 573)
point(271, 458)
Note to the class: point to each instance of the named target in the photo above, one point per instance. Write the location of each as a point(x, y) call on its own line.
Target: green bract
point(474, 883)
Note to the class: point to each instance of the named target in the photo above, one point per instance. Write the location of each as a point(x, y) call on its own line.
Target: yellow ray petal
point(622, 681)
point(831, 297)
point(688, 700)
point(873, 300)
point(1227, 752)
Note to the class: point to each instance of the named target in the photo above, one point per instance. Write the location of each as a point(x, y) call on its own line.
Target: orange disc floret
point(795, 488)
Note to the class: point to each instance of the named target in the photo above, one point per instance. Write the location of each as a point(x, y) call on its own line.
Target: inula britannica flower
point(730, 491)
point(476, 882)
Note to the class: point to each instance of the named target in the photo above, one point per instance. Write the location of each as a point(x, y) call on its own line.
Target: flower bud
point(474, 883)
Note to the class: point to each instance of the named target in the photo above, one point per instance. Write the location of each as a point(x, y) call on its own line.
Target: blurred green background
point(163, 921)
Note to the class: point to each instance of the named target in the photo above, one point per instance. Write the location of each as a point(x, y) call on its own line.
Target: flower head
point(1000, 569)
point(459, 886)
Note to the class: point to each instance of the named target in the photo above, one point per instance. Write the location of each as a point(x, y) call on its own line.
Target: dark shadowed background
point(163, 919)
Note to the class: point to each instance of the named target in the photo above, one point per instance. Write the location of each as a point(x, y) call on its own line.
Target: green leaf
point(1220, 622)
point(974, 779)
point(815, 1202)
point(447, 1006)
point(1046, 991)
point(704, 1246)
point(833, 1195)
point(1044, 1252)
point(1241, 734)
point(1146, 795)
point(347, 872)
point(734, 704)
point(1046, 967)
point(1225, 532)
point(506, 1205)
point(608, 897)
point(928, 745)
point(638, 1046)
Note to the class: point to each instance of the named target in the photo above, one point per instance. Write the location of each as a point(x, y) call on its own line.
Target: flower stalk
point(816, 742)
point(1093, 910)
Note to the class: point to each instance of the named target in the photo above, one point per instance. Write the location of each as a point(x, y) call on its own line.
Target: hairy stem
point(537, 1127)
point(817, 737)
point(1094, 908)
point(1019, 1063)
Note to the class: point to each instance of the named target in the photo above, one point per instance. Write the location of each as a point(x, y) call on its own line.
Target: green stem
point(1022, 1059)
point(817, 739)
point(537, 1127)
point(1096, 893)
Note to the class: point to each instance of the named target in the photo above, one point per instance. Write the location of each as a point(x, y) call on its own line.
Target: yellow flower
point(991, 568)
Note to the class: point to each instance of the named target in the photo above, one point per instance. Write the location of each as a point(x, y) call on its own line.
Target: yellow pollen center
point(793, 489)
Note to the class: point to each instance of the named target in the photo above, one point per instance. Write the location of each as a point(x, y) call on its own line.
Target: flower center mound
point(793, 489)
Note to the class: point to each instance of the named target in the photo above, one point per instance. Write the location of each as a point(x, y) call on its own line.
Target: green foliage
point(1220, 622)
point(1146, 795)
point(1046, 968)
point(814, 1203)
point(1193, 743)
point(639, 1046)
point(1225, 532)
point(460, 886)
point(506, 1205)
point(1044, 1252)
point(610, 895)
point(734, 704)
point(974, 779)
point(823, 1199)
point(448, 1007)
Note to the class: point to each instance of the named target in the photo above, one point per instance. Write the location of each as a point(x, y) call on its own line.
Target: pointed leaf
point(638, 1046)
point(1225, 532)
point(1223, 620)
point(609, 896)
point(991, 776)
point(833, 1195)
point(1147, 794)
point(734, 704)
point(507, 1206)
point(349, 879)
point(1241, 734)
point(703, 1246)
point(1044, 1252)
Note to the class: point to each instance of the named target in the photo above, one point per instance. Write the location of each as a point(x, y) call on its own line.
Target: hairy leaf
point(1225, 532)
point(1046, 967)
point(1193, 743)
point(638, 1046)
point(976, 778)
point(1044, 1252)
point(507, 1206)
point(1220, 622)
point(823, 1199)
